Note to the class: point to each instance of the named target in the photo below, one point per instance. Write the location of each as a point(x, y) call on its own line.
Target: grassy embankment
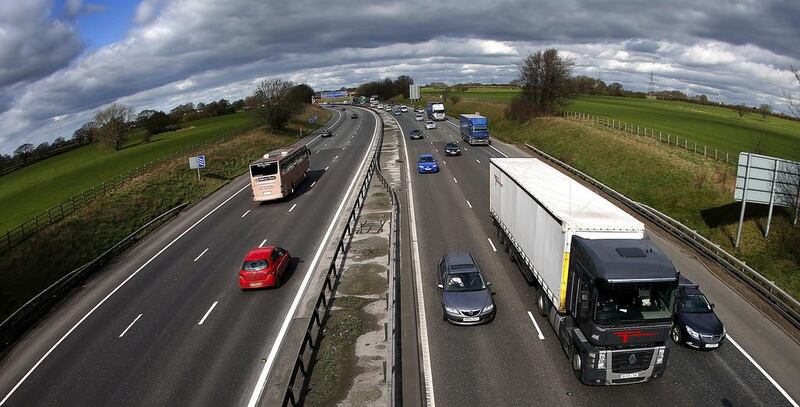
point(33, 189)
point(718, 128)
point(85, 234)
point(693, 190)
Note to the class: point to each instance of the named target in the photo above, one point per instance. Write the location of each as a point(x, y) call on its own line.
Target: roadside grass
point(714, 126)
point(692, 190)
point(33, 189)
point(55, 250)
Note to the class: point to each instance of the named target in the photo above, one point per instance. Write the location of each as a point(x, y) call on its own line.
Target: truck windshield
point(479, 128)
point(634, 303)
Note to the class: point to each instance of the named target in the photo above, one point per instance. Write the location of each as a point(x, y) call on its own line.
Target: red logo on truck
point(624, 335)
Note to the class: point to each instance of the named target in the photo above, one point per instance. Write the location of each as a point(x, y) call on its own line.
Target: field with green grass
point(714, 126)
point(33, 189)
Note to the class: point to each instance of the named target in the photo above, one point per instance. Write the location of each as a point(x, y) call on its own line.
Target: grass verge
point(85, 234)
point(33, 189)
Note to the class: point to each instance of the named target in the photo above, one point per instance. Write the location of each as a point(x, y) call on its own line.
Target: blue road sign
point(201, 161)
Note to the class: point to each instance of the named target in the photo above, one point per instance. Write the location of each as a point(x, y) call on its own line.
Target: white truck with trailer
point(606, 290)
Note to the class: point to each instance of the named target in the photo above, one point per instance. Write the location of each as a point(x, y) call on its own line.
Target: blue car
point(427, 163)
point(695, 324)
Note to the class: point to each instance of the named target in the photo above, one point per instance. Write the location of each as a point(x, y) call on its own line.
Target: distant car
point(388, 108)
point(427, 163)
point(466, 298)
point(419, 110)
point(397, 113)
point(429, 125)
point(416, 134)
point(264, 267)
point(380, 106)
point(343, 109)
point(403, 109)
point(419, 118)
point(695, 325)
point(354, 116)
point(451, 149)
point(326, 133)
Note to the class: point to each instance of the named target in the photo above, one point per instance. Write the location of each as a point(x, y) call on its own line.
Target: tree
point(615, 89)
point(765, 110)
point(301, 93)
point(741, 110)
point(158, 122)
point(112, 125)
point(274, 104)
point(545, 81)
point(24, 152)
point(86, 133)
point(455, 99)
point(794, 104)
point(59, 141)
point(402, 85)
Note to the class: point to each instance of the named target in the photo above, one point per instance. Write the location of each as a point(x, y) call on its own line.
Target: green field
point(33, 189)
point(716, 127)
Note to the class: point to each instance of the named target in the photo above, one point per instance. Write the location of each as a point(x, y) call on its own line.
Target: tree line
point(387, 88)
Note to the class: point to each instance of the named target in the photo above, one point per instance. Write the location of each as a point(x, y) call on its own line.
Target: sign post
point(196, 163)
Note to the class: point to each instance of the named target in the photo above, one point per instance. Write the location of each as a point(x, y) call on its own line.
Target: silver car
point(466, 298)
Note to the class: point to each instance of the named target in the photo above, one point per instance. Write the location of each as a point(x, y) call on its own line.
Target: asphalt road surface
point(506, 363)
point(166, 324)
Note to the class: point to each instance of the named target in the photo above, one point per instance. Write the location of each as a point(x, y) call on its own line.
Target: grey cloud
point(33, 46)
point(221, 47)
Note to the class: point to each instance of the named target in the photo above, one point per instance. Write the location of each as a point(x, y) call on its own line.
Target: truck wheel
point(576, 362)
point(541, 302)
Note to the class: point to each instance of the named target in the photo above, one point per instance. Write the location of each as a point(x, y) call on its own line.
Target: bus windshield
point(262, 169)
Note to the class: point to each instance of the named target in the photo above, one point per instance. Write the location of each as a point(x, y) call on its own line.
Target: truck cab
point(619, 301)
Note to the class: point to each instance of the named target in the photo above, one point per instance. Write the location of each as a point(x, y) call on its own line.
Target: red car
point(264, 267)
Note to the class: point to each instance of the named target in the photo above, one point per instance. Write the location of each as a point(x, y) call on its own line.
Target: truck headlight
point(450, 310)
point(601, 360)
point(488, 308)
point(692, 332)
point(660, 356)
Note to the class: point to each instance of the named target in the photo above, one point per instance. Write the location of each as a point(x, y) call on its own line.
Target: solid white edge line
point(469, 204)
point(292, 208)
point(262, 378)
point(491, 243)
point(326, 168)
point(539, 331)
point(129, 326)
point(91, 311)
point(262, 243)
point(764, 372)
point(207, 313)
point(423, 323)
point(200, 255)
point(312, 184)
point(245, 214)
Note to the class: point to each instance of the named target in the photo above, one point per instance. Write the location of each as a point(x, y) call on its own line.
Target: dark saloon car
point(416, 134)
point(452, 149)
point(695, 325)
point(354, 116)
point(466, 298)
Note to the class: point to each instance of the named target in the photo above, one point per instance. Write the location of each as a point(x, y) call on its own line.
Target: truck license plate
point(471, 319)
point(628, 375)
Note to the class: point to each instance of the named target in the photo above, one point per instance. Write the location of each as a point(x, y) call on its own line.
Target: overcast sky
point(61, 61)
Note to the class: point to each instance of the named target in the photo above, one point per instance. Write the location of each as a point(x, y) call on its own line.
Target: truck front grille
point(631, 361)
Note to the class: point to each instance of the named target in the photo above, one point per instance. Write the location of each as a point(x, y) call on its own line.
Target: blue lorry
point(474, 128)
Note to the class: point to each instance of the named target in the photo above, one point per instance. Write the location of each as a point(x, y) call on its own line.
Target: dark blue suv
point(695, 324)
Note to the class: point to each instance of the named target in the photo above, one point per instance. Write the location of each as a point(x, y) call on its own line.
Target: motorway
point(516, 359)
point(166, 324)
